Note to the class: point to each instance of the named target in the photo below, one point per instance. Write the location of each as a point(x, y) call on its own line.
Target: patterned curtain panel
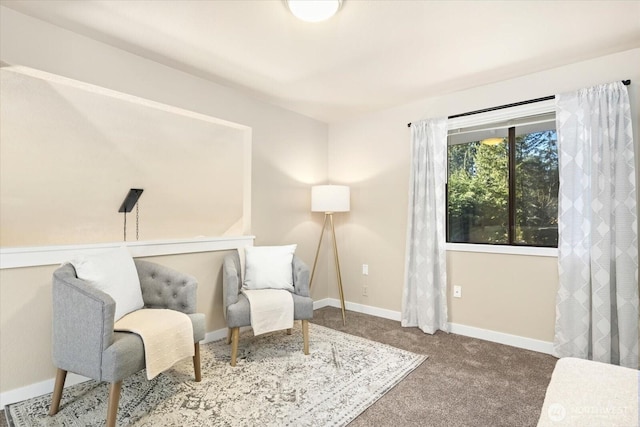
point(597, 303)
point(424, 299)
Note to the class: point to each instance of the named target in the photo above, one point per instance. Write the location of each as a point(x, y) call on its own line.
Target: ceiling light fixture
point(492, 141)
point(313, 10)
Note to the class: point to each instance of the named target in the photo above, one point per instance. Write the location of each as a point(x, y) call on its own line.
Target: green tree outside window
point(478, 191)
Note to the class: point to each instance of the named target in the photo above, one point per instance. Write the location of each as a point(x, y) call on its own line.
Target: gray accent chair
point(236, 305)
point(84, 341)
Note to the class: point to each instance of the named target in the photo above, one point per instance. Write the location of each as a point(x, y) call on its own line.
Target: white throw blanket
point(271, 310)
point(167, 336)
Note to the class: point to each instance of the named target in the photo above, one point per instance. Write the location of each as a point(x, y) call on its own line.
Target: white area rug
point(273, 384)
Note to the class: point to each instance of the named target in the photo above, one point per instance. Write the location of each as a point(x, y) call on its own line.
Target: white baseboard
point(37, 389)
point(214, 335)
point(44, 387)
point(502, 338)
point(455, 328)
point(358, 308)
point(219, 334)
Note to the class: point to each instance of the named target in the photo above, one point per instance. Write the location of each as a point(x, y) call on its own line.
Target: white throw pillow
point(269, 267)
point(114, 273)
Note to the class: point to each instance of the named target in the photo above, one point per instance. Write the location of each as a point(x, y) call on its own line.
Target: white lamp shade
point(330, 198)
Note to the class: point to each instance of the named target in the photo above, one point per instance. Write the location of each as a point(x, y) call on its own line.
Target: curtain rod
point(515, 104)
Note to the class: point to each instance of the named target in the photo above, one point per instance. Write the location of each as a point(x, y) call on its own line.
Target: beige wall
point(504, 293)
point(89, 146)
point(289, 153)
point(513, 294)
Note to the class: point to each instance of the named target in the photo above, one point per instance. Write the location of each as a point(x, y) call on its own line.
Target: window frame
point(488, 118)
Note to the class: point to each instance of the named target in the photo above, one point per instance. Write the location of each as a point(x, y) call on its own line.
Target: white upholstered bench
point(583, 393)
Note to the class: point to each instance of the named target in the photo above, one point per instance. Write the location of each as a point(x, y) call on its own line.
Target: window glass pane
point(478, 188)
point(536, 214)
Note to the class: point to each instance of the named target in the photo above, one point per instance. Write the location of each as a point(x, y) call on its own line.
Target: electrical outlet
point(365, 269)
point(457, 291)
point(365, 290)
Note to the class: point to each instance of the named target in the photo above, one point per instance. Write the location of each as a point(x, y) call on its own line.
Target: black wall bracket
point(131, 200)
point(127, 206)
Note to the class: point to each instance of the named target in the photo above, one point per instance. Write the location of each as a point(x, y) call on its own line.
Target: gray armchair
point(84, 341)
point(236, 305)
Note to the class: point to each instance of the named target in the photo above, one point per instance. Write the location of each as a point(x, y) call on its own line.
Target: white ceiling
point(373, 54)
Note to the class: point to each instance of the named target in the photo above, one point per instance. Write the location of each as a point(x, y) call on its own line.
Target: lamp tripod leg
point(315, 261)
point(338, 274)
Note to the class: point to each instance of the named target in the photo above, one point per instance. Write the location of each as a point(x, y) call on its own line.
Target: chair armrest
point(231, 282)
point(300, 277)
point(82, 323)
point(163, 287)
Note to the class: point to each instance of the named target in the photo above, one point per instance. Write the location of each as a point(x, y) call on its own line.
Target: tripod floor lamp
point(330, 199)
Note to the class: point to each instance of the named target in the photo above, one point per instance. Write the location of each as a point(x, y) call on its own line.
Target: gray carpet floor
point(464, 382)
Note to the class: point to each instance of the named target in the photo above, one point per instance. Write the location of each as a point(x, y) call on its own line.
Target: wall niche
point(70, 152)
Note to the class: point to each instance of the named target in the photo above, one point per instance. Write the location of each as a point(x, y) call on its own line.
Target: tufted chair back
point(176, 292)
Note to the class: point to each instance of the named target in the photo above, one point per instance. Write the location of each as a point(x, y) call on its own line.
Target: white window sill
point(502, 249)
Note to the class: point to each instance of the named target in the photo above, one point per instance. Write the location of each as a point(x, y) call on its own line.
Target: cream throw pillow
point(114, 273)
point(269, 267)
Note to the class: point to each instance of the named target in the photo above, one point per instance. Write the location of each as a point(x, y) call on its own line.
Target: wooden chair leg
point(228, 336)
point(305, 335)
point(289, 331)
point(235, 332)
point(196, 362)
point(61, 376)
point(114, 398)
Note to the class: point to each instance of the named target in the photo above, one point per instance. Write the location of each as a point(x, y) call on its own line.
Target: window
point(503, 183)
